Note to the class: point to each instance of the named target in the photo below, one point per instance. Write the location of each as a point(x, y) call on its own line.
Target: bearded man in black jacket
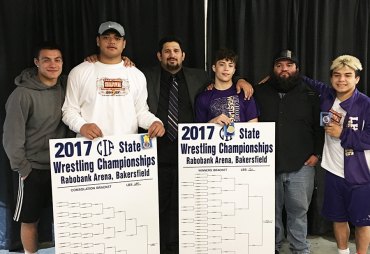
point(286, 100)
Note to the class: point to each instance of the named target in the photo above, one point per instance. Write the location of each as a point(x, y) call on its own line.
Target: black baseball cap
point(286, 55)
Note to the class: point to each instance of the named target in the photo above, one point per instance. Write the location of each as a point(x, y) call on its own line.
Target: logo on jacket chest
point(353, 123)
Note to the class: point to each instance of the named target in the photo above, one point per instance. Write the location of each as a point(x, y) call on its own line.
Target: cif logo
point(227, 132)
point(105, 147)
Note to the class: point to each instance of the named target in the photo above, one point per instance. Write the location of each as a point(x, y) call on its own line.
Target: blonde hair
point(346, 60)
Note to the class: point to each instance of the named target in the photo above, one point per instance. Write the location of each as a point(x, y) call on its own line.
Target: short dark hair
point(46, 45)
point(227, 54)
point(169, 38)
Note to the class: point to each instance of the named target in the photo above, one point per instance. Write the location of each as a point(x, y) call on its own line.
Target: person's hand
point(264, 80)
point(244, 85)
point(24, 177)
point(156, 129)
point(333, 130)
point(92, 58)
point(221, 120)
point(127, 61)
point(91, 131)
point(312, 161)
point(210, 87)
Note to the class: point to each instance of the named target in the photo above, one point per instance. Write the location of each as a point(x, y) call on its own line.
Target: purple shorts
point(346, 202)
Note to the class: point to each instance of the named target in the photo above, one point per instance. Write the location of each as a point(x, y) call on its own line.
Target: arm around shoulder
point(318, 86)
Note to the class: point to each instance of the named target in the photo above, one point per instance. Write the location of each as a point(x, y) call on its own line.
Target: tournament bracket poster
point(105, 195)
point(227, 188)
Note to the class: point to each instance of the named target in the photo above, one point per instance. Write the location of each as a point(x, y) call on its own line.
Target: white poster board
point(105, 195)
point(227, 188)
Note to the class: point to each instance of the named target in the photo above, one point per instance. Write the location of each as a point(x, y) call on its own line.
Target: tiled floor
point(42, 251)
point(322, 245)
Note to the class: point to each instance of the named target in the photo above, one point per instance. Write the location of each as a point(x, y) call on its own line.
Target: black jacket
point(297, 122)
point(195, 81)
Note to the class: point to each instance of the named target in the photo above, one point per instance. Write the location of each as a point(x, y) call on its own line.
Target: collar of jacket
point(346, 105)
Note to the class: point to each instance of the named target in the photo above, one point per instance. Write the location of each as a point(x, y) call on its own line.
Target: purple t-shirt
point(212, 103)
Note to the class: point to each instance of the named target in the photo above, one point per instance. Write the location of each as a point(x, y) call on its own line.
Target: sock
point(27, 252)
point(346, 251)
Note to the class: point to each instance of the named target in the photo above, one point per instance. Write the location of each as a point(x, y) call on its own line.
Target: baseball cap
point(286, 55)
point(113, 26)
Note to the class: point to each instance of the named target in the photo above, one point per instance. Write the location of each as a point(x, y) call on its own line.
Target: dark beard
point(170, 68)
point(284, 85)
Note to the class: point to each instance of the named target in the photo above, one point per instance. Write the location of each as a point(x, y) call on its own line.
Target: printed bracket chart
point(226, 188)
point(105, 195)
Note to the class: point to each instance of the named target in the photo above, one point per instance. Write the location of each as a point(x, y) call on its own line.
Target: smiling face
point(111, 47)
point(344, 81)
point(171, 57)
point(50, 64)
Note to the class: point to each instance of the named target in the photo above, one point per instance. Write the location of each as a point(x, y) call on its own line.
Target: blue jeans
point(294, 191)
point(5, 224)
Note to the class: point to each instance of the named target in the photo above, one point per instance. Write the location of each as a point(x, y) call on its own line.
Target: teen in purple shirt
point(222, 104)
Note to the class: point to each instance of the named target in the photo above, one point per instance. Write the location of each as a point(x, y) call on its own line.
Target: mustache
point(285, 84)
